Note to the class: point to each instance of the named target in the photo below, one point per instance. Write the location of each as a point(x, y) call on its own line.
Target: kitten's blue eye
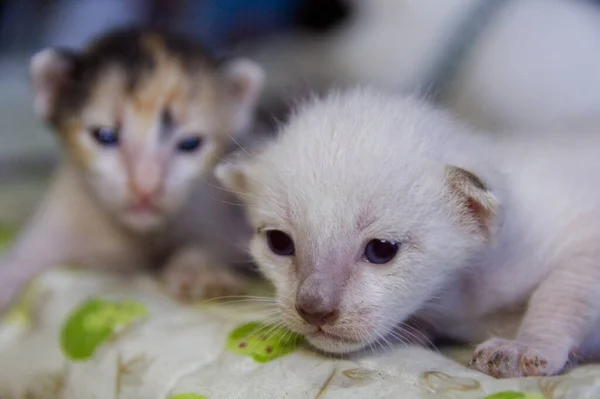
point(105, 136)
point(189, 144)
point(381, 251)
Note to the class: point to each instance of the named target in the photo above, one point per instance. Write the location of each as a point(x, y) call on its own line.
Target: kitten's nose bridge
point(141, 151)
point(146, 176)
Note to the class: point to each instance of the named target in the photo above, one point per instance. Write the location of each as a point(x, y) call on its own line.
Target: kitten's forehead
point(341, 163)
point(330, 201)
point(157, 109)
point(370, 128)
point(147, 70)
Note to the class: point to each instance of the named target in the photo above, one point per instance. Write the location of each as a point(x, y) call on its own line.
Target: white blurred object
point(534, 65)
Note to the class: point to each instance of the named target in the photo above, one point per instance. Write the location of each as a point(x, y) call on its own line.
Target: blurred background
point(26, 26)
point(500, 64)
point(27, 149)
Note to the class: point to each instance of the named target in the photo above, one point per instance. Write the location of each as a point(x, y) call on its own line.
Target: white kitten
point(371, 210)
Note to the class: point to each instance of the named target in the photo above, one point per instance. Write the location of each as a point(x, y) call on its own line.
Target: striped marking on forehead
point(161, 95)
point(167, 125)
point(165, 95)
point(159, 102)
point(136, 52)
point(153, 44)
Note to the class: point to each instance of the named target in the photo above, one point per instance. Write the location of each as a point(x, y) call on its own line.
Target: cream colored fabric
point(175, 349)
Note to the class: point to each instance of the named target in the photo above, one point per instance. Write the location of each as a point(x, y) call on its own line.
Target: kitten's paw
point(501, 358)
point(199, 283)
point(189, 278)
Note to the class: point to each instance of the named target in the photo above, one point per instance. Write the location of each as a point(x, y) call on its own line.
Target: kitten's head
point(143, 115)
point(362, 210)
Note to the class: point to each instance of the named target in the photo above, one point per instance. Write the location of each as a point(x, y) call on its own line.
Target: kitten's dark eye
point(105, 136)
point(189, 144)
point(280, 243)
point(381, 251)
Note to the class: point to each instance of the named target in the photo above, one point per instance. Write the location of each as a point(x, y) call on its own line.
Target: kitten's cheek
point(110, 180)
point(173, 202)
point(175, 194)
point(211, 154)
point(266, 266)
point(110, 191)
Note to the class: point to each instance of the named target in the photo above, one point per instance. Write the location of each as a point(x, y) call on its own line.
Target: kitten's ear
point(481, 204)
point(232, 173)
point(49, 72)
point(244, 80)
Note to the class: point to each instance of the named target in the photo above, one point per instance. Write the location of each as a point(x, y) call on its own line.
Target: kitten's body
point(552, 201)
point(142, 117)
point(485, 226)
point(532, 65)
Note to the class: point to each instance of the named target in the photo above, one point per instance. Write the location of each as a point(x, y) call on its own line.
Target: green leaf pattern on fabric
point(94, 322)
point(263, 342)
point(6, 236)
point(514, 395)
point(21, 313)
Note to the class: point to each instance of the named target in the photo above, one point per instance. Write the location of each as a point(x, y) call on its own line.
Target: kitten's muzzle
point(318, 301)
point(317, 317)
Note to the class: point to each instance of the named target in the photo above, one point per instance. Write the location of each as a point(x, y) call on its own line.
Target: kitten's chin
point(334, 344)
point(143, 221)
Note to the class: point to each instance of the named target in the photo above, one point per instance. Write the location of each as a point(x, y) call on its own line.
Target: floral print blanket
point(78, 335)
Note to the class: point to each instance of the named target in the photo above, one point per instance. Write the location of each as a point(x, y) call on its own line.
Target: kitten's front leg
point(37, 250)
point(11, 284)
point(192, 274)
point(67, 228)
point(561, 312)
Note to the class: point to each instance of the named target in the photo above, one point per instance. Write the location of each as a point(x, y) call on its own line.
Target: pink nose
point(143, 195)
point(143, 199)
point(317, 316)
point(141, 191)
point(146, 180)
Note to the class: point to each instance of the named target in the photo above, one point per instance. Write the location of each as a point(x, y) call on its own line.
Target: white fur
point(248, 79)
point(534, 65)
point(47, 68)
point(360, 165)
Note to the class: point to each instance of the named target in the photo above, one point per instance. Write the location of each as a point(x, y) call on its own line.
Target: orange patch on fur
point(164, 88)
point(153, 43)
point(167, 86)
point(70, 131)
point(158, 92)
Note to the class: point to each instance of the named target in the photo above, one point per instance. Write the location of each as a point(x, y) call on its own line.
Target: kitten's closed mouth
point(321, 334)
point(144, 208)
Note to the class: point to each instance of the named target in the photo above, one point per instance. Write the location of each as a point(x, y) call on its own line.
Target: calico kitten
point(141, 116)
